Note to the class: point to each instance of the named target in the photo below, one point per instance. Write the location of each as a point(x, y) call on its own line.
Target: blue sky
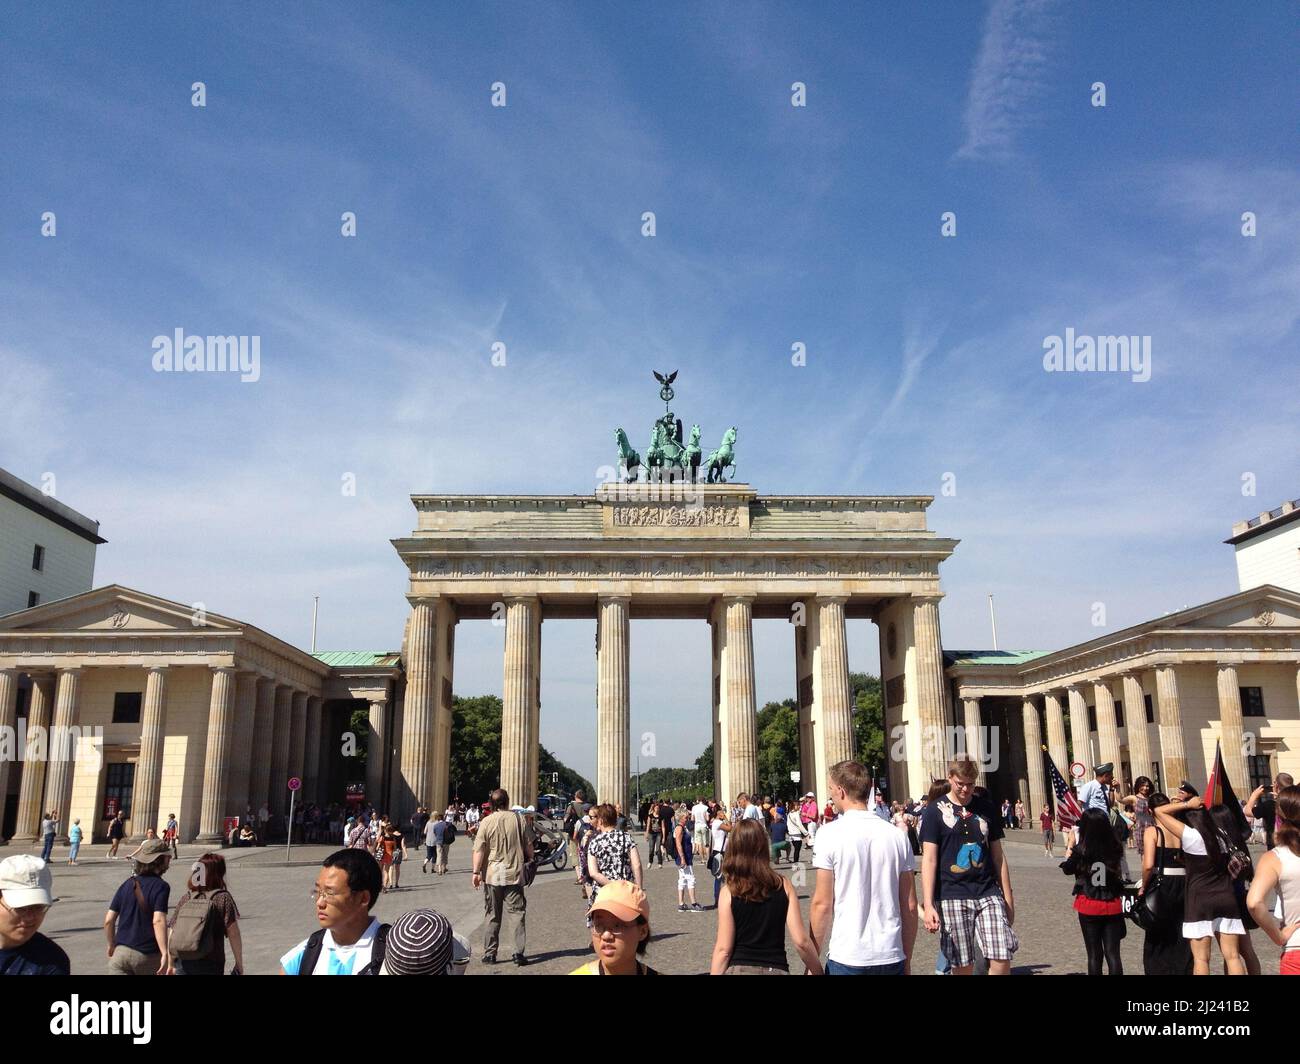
point(775, 225)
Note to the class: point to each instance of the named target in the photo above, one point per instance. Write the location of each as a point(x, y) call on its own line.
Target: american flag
point(1067, 805)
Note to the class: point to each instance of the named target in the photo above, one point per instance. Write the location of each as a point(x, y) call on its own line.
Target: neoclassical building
point(174, 709)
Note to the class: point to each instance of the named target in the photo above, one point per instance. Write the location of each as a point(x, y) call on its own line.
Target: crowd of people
point(882, 873)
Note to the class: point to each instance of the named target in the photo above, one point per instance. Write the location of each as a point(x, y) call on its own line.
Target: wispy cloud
point(1007, 77)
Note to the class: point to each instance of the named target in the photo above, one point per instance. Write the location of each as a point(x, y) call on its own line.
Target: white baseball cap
point(25, 880)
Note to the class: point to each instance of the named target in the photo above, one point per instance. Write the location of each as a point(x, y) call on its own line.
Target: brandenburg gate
point(718, 552)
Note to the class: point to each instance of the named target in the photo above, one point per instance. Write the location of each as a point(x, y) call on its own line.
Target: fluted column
point(312, 750)
point(1107, 726)
point(832, 692)
point(31, 788)
point(444, 659)
point(216, 759)
point(377, 752)
point(8, 720)
point(1056, 733)
point(259, 775)
point(974, 725)
point(1135, 717)
point(278, 784)
point(738, 695)
point(1230, 729)
point(425, 747)
point(241, 743)
point(522, 670)
point(1034, 760)
point(1079, 745)
point(63, 747)
point(148, 769)
point(929, 685)
point(613, 705)
point(1173, 754)
point(297, 735)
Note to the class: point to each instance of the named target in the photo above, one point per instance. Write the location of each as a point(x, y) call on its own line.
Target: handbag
point(1150, 910)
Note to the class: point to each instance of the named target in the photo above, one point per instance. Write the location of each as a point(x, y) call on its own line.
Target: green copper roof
point(991, 657)
point(356, 659)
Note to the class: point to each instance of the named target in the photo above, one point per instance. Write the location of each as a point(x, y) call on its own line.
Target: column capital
point(230, 670)
point(830, 600)
point(969, 698)
point(926, 599)
point(159, 668)
point(1077, 688)
point(738, 600)
point(521, 600)
point(69, 670)
point(1222, 665)
point(612, 597)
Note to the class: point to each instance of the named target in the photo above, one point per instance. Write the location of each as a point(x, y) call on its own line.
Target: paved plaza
point(276, 912)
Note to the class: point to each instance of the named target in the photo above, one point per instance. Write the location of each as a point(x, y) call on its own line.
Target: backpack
point(311, 953)
point(448, 833)
point(193, 934)
point(1119, 825)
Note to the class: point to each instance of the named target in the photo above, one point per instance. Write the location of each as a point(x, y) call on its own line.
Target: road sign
point(1077, 770)
point(295, 783)
point(794, 777)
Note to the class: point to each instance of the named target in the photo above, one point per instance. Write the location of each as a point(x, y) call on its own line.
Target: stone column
point(1135, 717)
point(277, 785)
point(297, 735)
point(63, 748)
point(1056, 733)
point(613, 700)
point(718, 638)
point(418, 713)
point(259, 774)
point(312, 751)
point(832, 693)
point(31, 788)
point(535, 723)
point(1107, 726)
point(973, 724)
point(440, 787)
point(241, 743)
point(930, 685)
point(8, 720)
point(1231, 740)
point(148, 769)
point(739, 711)
point(522, 671)
point(377, 753)
point(217, 756)
point(1173, 755)
point(804, 641)
point(1079, 745)
point(1034, 761)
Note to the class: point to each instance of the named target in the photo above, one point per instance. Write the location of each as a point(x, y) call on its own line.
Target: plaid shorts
point(964, 920)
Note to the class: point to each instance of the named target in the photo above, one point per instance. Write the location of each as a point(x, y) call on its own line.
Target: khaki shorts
point(128, 961)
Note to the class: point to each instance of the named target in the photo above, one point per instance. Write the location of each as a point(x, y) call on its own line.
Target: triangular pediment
point(1265, 607)
point(114, 608)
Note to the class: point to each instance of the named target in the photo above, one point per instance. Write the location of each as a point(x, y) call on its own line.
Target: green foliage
point(704, 764)
point(778, 748)
point(359, 725)
point(868, 720)
point(476, 753)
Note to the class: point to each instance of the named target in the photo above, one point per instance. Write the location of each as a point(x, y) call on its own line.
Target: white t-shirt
point(719, 835)
point(752, 812)
point(335, 959)
point(1193, 843)
point(868, 856)
point(700, 814)
point(793, 823)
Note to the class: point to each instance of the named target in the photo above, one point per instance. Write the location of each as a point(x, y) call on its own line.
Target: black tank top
point(760, 931)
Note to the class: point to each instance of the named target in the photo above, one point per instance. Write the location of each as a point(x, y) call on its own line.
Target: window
point(1150, 708)
point(1260, 772)
point(38, 558)
point(1119, 714)
point(1092, 718)
point(1252, 701)
point(126, 707)
point(119, 782)
point(33, 599)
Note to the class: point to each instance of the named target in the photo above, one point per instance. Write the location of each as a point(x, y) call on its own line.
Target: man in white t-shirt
point(350, 940)
point(864, 905)
point(748, 810)
point(700, 814)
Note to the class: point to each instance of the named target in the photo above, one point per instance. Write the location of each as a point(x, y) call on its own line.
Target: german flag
point(1218, 791)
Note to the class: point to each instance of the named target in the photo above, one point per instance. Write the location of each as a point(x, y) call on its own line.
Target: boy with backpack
point(350, 941)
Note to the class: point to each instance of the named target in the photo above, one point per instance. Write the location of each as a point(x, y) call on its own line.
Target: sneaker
point(681, 908)
point(697, 907)
point(520, 959)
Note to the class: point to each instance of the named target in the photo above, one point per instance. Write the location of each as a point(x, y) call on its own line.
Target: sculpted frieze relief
point(678, 515)
point(569, 567)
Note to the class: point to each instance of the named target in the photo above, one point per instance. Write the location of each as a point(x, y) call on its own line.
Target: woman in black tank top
point(756, 909)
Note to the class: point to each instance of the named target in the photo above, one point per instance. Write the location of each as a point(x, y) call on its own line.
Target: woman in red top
point(1045, 822)
point(1095, 860)
point(828, 814)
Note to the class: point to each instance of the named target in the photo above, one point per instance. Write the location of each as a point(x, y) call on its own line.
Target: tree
point(868, 719)
point(778, 747)
point(476, 752)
